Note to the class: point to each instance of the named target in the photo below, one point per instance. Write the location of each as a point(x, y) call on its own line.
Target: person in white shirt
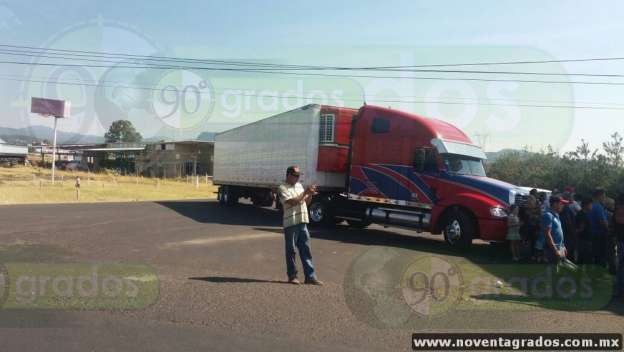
point(294, 199)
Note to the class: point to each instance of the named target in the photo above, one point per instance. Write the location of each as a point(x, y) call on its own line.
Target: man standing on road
point(294, 201)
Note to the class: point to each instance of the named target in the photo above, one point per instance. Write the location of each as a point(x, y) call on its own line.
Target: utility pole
point(54, 148)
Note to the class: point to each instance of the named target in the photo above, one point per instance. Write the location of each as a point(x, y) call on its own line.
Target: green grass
point(28, 185)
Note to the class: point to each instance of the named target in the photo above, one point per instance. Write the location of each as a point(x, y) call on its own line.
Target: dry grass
point(24, 185)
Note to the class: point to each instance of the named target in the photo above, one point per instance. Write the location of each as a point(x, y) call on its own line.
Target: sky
point(181, 103)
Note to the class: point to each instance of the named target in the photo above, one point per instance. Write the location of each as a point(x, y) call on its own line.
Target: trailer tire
point(227, 196)
point(220, 197)
point(320, 213)
point(262, 199)
point(459, 229)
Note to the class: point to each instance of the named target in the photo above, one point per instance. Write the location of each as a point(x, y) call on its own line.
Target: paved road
point(221, 274)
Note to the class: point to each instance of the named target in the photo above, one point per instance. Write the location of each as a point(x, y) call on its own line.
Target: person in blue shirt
point(599, 223)
point(551, 240)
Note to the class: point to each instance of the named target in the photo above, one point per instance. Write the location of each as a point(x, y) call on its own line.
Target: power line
point(154, 57)
point(89, 58)
point(313, 74)
point(235, 62)
point(346, 99)
point(525, 62)
point(101, 83)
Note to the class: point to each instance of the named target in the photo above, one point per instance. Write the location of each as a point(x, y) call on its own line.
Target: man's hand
point(306, 196)
point(311, 190)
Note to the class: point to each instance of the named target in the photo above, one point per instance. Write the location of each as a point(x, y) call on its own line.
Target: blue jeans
point(298, 235)
point(619, 279)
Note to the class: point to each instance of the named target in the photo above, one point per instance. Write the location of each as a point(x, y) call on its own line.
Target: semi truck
point(370, 165)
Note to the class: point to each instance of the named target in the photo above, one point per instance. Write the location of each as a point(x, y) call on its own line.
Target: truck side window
point(425, 160)
point(419, 160)
point(380, 125)
point(431, 164)
point(326, 128)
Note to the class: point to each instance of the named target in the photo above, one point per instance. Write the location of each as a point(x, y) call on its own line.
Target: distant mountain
point(36, 134)
point(204, 136)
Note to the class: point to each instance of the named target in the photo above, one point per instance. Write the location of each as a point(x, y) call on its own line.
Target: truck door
point(382, 163)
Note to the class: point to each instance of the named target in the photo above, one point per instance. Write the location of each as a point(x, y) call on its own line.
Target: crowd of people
point(570, 227)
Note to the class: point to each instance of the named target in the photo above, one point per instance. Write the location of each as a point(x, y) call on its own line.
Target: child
point(513, 232)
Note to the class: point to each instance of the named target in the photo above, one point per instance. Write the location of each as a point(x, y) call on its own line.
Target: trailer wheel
point(220, 196)
point(459, 229)
point(358, 224)
point(262, 199)
point(227, 196)
point(320, 213)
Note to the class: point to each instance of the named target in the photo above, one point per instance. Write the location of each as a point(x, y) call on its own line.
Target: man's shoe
point(314, 281)
point(294, 281)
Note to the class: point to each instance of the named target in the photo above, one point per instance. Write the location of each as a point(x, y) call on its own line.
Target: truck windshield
point(464, 165)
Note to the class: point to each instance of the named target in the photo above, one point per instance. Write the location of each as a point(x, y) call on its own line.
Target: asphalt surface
point(221, 283)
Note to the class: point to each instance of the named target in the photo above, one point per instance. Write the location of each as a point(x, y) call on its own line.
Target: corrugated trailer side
point(257, 154)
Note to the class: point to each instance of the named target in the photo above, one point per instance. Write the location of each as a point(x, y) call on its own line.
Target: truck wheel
point(319, 213)
point(262, 199)
point(228, 197)
point(257, 202)
point(358, 224)
point(220, 196)
point(459, 229)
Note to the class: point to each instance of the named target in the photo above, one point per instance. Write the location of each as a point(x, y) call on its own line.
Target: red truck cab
point(408, 170)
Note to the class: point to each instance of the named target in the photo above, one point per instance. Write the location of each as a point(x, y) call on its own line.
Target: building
point(94, 157)
point(13, 153)
point(119, 156)
point(42, 153)
point(176, 159)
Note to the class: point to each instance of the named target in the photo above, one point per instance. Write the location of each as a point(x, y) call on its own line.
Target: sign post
point(51, 108)
point(54, 149)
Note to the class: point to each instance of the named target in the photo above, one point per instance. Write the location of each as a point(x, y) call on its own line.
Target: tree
point(614, 150)
point(584, 168)
point(122, 131)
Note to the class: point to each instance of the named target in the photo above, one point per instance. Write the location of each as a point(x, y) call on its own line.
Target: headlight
point(498, 212)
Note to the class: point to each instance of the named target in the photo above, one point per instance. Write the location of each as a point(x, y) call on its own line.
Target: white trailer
point(256, 155)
